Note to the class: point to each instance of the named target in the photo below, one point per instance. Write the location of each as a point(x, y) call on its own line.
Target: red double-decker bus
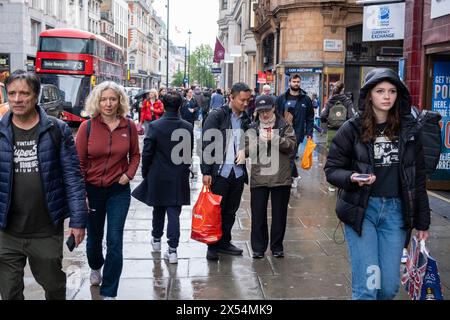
point(75, 61)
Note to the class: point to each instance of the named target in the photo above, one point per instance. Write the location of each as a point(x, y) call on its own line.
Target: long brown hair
point(369, 121)
point(338, 86)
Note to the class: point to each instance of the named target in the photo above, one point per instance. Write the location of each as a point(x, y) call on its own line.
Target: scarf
point(266, 126)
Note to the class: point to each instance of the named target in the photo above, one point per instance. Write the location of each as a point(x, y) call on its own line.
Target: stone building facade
point(23, 21)
point(236, 19)
point(304, 37)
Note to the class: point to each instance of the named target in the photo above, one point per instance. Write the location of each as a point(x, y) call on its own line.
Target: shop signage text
point(384, 22)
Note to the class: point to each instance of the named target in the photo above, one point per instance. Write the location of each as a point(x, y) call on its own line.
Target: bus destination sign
point(74, 65)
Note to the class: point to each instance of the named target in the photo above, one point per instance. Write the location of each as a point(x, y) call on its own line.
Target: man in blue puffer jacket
point(41, 185)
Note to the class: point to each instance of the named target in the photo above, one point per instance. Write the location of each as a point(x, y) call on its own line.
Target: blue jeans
point(375, 256)
point(111, 203)
point(173, 224)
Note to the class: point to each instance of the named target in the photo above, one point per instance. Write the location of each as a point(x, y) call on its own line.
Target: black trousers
point(231, 191)
point(259, 233)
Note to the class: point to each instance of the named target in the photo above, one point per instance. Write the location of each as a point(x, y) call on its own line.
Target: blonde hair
point(153, 90)
point(93, 100)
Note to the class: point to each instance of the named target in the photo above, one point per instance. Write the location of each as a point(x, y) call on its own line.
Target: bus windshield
point(74, 89)
point(68, 45)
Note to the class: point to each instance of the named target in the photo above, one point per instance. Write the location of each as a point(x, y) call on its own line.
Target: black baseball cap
point(264, 102)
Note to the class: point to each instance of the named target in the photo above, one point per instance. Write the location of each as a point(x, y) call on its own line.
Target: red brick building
point(427, 68)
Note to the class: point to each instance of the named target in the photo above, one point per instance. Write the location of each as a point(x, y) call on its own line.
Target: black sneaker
point(230, 249)
point(278, 254)
point(258, 255)
point(212, 254)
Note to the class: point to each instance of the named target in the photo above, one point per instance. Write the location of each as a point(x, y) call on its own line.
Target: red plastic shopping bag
point(206, 217)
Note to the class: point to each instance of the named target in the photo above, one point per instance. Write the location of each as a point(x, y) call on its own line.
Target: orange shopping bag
point(206, 217)
point(307, 155)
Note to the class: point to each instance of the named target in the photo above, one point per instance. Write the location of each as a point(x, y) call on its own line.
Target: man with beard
point(297, 109)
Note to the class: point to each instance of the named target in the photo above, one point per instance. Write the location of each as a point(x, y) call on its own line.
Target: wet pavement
point(315, 266)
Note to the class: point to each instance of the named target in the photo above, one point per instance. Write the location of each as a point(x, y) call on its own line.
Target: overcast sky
point(199, 16)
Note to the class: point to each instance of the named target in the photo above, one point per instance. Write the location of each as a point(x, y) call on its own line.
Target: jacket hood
point(338, 97)
point(384, 74)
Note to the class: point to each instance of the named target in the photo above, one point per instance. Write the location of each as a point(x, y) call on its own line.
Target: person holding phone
point(376, 159)
point(226, 173)
point(108, 148)
point(270, 144)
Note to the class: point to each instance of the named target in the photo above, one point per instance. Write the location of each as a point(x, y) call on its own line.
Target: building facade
point(236, 21)
point(177, 61)
point(23, 21)
point(94, 16)
point(304, 37)
point(114, 26)
point(139, 36)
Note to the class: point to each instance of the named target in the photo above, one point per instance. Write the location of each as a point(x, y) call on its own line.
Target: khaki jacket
point(270, 162)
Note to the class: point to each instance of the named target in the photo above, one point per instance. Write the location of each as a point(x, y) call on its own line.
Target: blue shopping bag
point(421, 277)
point(431, 286)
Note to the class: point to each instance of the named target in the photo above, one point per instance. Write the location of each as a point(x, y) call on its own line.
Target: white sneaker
point(171, 256)
point(156, 245)
point(109, 298)
point(96, 277)
point(331, 189)
point(404, 256)
point(294, 183)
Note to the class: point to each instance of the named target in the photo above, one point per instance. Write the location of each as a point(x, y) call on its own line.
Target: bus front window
point(74, 90)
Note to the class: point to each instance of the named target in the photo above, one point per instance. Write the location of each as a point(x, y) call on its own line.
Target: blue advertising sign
point(441, 103)
point(401, 69)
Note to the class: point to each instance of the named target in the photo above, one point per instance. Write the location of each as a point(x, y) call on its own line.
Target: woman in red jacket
point(108, 149)
point(152, 108)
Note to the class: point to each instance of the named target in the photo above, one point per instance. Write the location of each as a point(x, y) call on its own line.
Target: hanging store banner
point(384, 22)
point(439, 8)
point(441, 103)
point(262, 77)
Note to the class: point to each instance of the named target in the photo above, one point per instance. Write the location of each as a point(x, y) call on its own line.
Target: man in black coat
point(226, 173)
point(165, 168)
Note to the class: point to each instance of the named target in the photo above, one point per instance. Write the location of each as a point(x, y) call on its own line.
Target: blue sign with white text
point(440, 102)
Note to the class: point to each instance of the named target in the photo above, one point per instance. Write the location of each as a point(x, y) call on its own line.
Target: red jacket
point(107, 155)
point(151, 112)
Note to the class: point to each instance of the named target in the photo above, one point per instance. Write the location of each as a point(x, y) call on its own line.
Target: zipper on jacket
point(42, 179)
point(404, 177)
point(10, 187)
point(109, 156)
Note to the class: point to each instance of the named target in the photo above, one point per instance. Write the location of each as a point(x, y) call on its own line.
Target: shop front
point(427, 71)
point(311, 79)
point(331, 75)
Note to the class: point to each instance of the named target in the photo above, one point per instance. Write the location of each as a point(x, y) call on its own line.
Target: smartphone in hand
point(71, 242)
point(362, 177)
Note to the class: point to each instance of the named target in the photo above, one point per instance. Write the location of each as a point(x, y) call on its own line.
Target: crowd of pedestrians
point(377, 168)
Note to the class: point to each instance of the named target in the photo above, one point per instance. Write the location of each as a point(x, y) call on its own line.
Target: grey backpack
point(337, 115)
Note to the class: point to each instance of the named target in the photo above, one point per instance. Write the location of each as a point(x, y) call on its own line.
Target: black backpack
point(430, 132)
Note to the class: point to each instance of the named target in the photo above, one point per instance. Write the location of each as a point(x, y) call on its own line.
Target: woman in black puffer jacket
point(382, 142)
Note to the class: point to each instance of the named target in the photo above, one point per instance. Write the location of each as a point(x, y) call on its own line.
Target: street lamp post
point(189, 59)
point(167, 65)
point(185, 65)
